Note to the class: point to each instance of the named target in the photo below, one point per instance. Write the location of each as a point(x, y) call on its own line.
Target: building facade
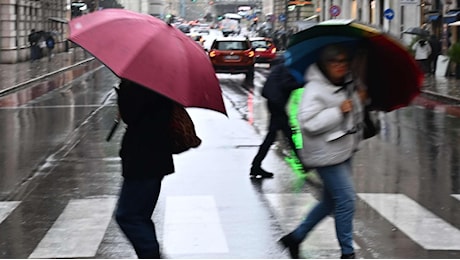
point(393, 16)
point(19, 17)
point(153, 7)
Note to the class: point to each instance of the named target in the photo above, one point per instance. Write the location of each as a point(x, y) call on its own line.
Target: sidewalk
point(14, 76)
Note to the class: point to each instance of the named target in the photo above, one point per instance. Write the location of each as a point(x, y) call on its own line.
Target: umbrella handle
point(112, 131)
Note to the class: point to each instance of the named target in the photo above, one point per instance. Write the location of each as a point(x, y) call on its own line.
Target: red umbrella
point(148, 51)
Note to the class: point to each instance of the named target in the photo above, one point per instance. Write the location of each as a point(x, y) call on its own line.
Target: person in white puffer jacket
point(329, 116)
point(422, 53)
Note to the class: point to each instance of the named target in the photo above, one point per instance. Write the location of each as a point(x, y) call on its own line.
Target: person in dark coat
point(50, 45)
point(436, 48)
point(146, 158)
point(277, 90)
point(33, 39)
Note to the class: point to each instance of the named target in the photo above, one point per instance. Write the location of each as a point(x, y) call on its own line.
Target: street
point(60, 180)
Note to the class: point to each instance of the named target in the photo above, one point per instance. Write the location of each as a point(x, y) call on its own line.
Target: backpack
point(50, 43)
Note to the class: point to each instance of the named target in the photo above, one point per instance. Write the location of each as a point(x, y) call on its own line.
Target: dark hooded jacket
point(279, 85)
point(146, 146)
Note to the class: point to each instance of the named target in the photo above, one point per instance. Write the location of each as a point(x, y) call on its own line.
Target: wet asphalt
point(54, 151)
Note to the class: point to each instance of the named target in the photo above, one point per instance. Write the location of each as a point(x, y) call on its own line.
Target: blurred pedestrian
point(277, 90)
point(329, 114)
point(146, 158)
point(436, 49)
point(422, 53)
point(33, 38)
point(49, 45)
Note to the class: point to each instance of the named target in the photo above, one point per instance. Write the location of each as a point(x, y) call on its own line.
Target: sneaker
point(260, 173)
point(288, 242)
point(348, 256)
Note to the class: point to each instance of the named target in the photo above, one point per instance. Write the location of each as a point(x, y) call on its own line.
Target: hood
point(313, 73)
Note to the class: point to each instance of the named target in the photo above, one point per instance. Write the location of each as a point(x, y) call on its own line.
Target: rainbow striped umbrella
point(390, 73)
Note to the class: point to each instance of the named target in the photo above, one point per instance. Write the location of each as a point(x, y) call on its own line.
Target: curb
point(442, 96)
point(22, 84)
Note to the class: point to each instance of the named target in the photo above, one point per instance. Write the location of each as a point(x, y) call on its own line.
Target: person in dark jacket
point(33, 38)
point(436, 49)
point(50, 45)
point(146, 158)
point(277, 90)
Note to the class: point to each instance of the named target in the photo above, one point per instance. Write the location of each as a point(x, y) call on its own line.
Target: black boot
point(348, 256)
point(293, 246)
point(258, 172)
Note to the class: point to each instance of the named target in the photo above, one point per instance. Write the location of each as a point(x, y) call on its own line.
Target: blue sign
point(389, 14)
point(334, 10)
point(282, 17)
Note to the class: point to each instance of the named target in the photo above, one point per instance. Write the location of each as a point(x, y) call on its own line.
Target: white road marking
point(457, 196)
point(78, 231)
point(192, 226)
point(422, 226)
point(6, 207)
point(290, 210)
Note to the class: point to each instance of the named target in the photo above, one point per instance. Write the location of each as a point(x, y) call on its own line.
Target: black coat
point(146, 146)
point(279, 85)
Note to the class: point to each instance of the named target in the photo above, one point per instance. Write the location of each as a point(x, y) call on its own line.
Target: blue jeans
point(138, 198)
point(339, 198)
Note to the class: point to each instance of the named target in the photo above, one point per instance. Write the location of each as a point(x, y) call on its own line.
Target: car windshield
point(236, 45)
point(260, 44)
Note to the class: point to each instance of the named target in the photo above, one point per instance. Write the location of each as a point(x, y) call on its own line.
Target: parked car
point(264, 48)
point(232, 55)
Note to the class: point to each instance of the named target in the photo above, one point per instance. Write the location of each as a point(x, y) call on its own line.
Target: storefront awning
point(433, 17)
point(450, 16)
point(58, 19)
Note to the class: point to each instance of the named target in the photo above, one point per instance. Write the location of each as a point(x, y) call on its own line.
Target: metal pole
point(182, 8)
point(286, 13)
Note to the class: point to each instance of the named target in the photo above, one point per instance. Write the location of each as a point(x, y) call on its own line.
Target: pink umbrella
point(150, 52)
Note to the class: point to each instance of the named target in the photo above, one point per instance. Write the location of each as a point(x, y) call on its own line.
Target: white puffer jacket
point(324, 127)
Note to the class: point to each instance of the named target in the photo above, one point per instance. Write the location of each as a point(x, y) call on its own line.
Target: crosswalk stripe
point(457, 196)
point(192, 226)
point(291, 208)
point(78, 231)
point(422, 226)
point(6, 207)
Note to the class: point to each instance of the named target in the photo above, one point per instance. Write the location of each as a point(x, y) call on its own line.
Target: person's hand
point(346, 106)
point(362, 95)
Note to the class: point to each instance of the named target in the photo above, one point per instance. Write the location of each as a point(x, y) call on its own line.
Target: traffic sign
point(282, 17)
point(389, 14)
point(334, 10)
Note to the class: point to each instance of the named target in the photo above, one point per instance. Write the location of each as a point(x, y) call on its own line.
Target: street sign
point(409, 2)
point(334, 10)
point(282, 17)
point(389, 14)
point(300, 3)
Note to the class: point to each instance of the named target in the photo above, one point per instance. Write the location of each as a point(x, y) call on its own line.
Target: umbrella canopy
point(390, 73)
point(150, 52)
point(417, 31)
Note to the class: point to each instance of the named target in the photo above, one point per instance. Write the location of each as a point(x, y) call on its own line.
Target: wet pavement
point(210, 200)
point(17, 75)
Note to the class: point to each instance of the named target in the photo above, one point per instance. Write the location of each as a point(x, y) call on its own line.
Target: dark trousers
point(279, 120)
point(424, 65)
point(138, 198)
point(35, 52)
